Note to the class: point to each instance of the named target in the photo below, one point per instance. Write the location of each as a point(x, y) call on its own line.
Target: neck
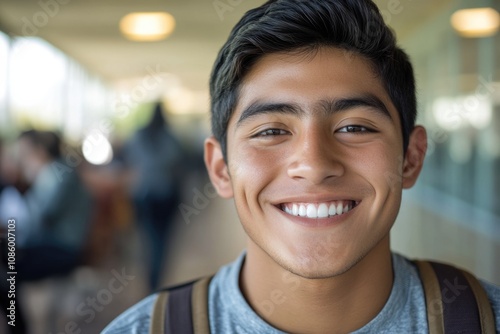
point(338, 304)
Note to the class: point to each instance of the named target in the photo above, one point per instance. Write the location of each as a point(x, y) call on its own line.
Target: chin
point(317, 264)
point(317, 272)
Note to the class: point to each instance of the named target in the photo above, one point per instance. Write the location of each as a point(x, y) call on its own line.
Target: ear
point(217, 168)
point(414, 158)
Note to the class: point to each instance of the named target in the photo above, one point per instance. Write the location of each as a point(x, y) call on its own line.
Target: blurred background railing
point(74, 69)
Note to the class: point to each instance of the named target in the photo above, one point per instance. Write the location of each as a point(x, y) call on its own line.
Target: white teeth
point(302, 210)
point(339, 208)
point(331, 210)
point(322, 210)
point(311, 211)
point(318, 210)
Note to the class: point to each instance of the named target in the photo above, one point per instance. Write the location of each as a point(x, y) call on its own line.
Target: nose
point(315, 159)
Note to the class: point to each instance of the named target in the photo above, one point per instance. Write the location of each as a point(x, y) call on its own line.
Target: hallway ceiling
point(87, 30)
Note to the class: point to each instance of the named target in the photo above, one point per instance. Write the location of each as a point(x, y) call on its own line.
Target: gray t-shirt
point(229, 312)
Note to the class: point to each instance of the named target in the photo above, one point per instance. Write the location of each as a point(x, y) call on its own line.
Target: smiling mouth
point(319, 210)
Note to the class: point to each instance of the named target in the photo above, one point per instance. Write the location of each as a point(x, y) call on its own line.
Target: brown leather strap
point(432, 297)
point(199, 300)
point(483, 304)
point(158, 314)
point(181, 307)
point(467, 308)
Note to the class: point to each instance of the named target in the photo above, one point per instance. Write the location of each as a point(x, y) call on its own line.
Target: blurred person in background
point(58, 203)
point(11, 205)
point(12, 186)
point(58, 212)
point(155, 159)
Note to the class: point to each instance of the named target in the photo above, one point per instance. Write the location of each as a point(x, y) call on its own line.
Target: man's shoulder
point(135, 320)
point(493, 292)
point(407, 267)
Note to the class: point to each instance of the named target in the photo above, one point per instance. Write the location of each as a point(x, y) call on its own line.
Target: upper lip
point(318, 198)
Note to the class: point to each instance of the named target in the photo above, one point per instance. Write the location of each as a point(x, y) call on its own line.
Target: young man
point(313, 112)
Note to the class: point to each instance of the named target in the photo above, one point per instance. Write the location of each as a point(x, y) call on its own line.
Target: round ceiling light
point(147, 27)
point(476, 22)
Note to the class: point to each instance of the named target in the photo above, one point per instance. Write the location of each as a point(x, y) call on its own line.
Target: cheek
point(388, 188)
point(384, 159)
point(381, 167)
point(375, 160)
point(253, 168)
point(251, 171)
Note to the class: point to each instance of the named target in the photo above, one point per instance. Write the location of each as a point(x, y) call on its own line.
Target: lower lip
point(318, 222)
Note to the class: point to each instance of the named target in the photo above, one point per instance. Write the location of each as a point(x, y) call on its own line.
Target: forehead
point(307, 77)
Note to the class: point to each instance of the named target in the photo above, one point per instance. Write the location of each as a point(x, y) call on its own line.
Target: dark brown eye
point(354, 129)
point(272, 132)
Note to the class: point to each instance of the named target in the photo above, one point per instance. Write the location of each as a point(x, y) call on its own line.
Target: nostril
point(315, 172)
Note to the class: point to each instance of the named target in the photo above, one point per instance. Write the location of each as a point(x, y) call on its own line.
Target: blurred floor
point(85, 300)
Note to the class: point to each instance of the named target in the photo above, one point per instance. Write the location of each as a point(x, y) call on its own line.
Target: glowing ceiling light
point(476, 22)
point(147, 27)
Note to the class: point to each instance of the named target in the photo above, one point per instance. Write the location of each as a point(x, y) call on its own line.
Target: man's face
point(315, 160)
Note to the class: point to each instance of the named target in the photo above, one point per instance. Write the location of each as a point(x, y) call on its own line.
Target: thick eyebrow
point(259, 108)
point(326, 106)
point(366, 100)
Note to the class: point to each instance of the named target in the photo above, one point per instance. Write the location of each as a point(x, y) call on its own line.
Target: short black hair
point(306, 25)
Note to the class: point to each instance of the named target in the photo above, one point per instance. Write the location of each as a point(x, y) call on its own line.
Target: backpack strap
point(157, 324)
point(182, 309)
point(199, 301)
point(483, 303)
point(455, 300)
